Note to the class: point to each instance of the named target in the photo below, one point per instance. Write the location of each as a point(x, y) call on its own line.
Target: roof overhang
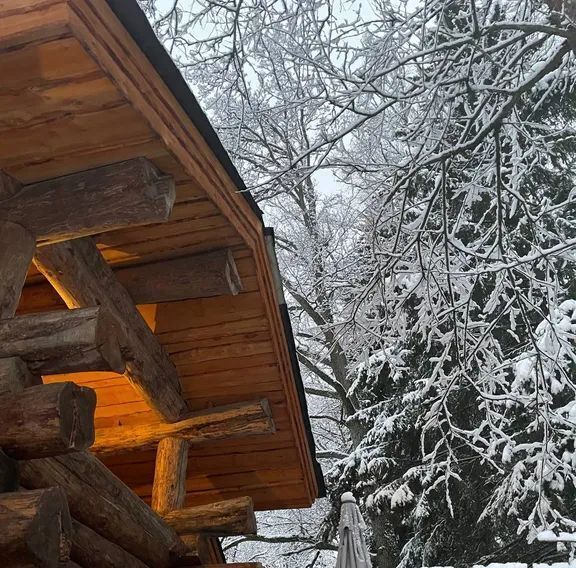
point(86, 84)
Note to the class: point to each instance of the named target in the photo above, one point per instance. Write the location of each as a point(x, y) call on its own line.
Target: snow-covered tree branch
point(418, 160)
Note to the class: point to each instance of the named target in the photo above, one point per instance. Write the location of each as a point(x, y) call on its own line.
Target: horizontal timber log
point(233, 517)
point(198, 276)
point(81, 276)
point(236, 420)
point(36, 528)
point(47, 420)
point(65, 341)
point(99, 500)
point(90, 550)
point(94, 201)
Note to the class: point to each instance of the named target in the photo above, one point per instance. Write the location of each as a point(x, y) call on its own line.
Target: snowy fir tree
point(418, 160)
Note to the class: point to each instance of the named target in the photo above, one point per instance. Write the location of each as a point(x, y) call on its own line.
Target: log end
point(36, 528)
point(47, 420)
point(51, 534)
point(78, 405)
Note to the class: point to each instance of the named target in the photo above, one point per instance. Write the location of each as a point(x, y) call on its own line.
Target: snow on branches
point(432, 277)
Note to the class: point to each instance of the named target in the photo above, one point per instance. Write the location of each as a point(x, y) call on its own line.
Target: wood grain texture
point(198, 545)
point(17, 246)
point(93, 201)
point(233, 517)
point(197, 276)
point(36, 528)
point(15, 375)
point(90, 550)
point(47, 420)
point(82, 277)
point(169, 488)
point(65, 341)
point(237, 420)
point(27, 21)
point(102, 502)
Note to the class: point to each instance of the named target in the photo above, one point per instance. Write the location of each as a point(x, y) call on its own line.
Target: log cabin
point(150, 396)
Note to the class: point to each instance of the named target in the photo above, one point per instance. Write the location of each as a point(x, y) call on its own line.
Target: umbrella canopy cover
point(352, 552)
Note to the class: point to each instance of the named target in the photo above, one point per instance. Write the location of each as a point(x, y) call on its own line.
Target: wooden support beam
point(64, 341)
point(233, 421)
point(233, 517)
point(99, 500)
point(17, 247)
point(15, 375)
point(47, 420)
point(94, 201)
point(36, 528)
point(169, 488)
point(82, 277)
point(197, 276)
point(90, 550)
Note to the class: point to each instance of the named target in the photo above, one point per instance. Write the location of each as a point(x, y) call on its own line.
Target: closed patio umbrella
point(352, 551)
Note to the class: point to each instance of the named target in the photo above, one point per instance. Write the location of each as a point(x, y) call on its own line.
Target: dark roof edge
point(138, 26)
point(288, 331)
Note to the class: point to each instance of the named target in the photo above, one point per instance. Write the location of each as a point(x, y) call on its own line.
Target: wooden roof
point(78, 92)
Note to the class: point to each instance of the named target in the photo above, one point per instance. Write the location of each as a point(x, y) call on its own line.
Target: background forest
point(417, 159)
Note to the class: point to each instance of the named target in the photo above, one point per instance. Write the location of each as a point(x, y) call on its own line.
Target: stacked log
point(91, 550)
point(232, 517)
point(36, 528)
point(99, 500)
point(47, 420)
